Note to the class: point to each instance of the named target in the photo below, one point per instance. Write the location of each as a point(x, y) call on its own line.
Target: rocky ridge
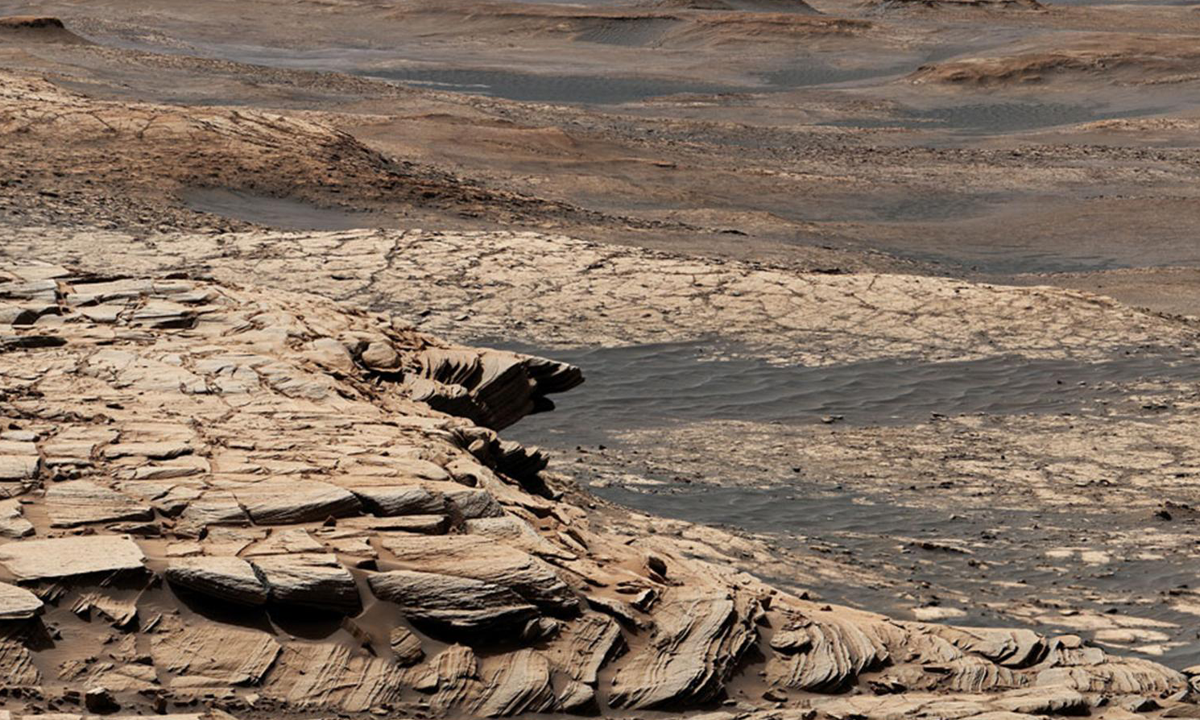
point(235, 498)
point(75, 159)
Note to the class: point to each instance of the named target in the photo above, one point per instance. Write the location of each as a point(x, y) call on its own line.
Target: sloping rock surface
point(267, 455)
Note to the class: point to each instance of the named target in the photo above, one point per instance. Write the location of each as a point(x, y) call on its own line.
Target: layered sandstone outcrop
point(242, 499)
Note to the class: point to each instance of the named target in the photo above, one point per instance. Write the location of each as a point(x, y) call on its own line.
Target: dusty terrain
point(887, 313)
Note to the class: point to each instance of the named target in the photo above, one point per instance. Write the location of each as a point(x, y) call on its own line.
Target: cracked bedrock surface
point(554, 290)
point(152, 426)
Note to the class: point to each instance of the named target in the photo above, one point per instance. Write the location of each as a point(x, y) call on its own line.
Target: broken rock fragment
point(13, 524)
point(99, 699)
point(406, 645)
point(120, 612)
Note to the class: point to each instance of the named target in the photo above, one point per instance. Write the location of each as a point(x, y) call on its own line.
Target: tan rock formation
point(558, 290)
point(297, 453)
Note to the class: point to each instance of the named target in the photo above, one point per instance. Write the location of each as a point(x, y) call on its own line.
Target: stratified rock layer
point(225, 578)
point(269, 454)
point(558, 290)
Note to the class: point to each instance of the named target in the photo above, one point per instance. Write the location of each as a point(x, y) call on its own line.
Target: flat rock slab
point(225, 578)
point(281, 502)
point(17, 603)
point(71, 504)
point(387, 498)
point(310, 580)
point(215, 507)
point(486, 560)
point(422, 524)
point(205, 654)
point(18, 467)
point(65, 557)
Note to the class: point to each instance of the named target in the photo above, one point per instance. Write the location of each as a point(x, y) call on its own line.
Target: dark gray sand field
point(701, 432)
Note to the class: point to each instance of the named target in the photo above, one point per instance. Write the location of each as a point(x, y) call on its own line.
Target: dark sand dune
point(643, 386)
point(282, 213)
